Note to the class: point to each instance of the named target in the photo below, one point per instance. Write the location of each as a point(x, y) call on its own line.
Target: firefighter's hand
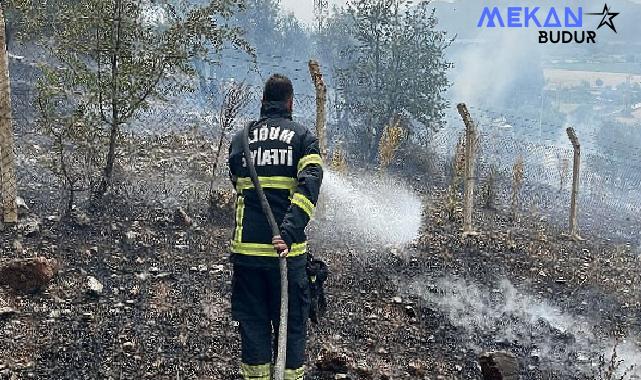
point(280, 246)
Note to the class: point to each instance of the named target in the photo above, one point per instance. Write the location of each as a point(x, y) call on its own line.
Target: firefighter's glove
point(317, 273)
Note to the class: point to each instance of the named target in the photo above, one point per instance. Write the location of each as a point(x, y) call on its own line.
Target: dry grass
point(453, 202)
point(161, 300)
point(4, 299)
point(612, 367)
point(564, 169)
point(518, 175)
point(339, 160)
point(488, 193)
point(221, 204)
point(393, 136)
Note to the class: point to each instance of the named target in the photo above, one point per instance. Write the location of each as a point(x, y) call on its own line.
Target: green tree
point(334, 40)
point(110, 59)
point(395, 67)
point(281, 42)
point(260, 20)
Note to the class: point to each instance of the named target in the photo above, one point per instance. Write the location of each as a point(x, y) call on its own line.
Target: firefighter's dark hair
point(278, 88)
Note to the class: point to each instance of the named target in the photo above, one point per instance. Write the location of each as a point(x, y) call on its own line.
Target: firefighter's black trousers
point(256, 306)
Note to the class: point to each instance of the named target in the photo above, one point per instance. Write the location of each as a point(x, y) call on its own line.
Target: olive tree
point(111, 59)
point(395, 66)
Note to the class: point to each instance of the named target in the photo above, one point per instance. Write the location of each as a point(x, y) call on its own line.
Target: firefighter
point(288, 162)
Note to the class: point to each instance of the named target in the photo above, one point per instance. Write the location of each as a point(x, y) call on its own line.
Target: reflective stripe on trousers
point(295, 374)
point(256, 372)
point(263, 372)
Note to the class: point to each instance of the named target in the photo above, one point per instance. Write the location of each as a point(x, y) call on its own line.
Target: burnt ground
point(164, 311)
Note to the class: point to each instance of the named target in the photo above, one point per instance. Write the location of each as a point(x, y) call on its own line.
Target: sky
point(304, 9)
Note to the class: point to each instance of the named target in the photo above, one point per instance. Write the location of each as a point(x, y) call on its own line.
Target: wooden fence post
point(574, 227)
point(321, 100)
point(8, 186)
point(471, 141)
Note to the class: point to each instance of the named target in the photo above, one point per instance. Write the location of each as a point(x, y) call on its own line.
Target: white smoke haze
point(153, 14)
point(371, 209)
point(489, 69)
point(510, 317)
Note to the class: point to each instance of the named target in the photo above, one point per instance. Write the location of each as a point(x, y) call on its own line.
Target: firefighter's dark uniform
point(288, 162)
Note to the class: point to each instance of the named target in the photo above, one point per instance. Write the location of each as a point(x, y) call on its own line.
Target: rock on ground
point(182, 219)
point(499, 366)
point(7, 312)
point(28, 275)
point(94, 287)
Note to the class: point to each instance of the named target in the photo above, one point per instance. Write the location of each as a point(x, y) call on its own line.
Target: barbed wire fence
point(610, 184)
point(180, 133)
point(167, 150)
point(8, 185)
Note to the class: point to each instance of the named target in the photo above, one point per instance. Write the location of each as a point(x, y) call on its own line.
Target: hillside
point(422, 311)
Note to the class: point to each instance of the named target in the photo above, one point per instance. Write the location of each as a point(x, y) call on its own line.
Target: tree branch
point(103, 116)
point(150, 88)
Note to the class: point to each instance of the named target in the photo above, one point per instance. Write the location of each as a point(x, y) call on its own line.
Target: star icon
point(607, 18)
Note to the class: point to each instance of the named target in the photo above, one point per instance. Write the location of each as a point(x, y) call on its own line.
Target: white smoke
point(494, 66)
point(152, 15)
point(509, 316)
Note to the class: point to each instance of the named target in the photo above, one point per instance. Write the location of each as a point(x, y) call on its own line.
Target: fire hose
point(279, 368)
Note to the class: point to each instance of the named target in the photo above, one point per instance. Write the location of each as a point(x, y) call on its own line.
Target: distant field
point(634, 119)
point(567, 78)
point(631, 68)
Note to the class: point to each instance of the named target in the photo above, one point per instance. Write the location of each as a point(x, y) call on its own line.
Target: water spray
point(369, 210)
